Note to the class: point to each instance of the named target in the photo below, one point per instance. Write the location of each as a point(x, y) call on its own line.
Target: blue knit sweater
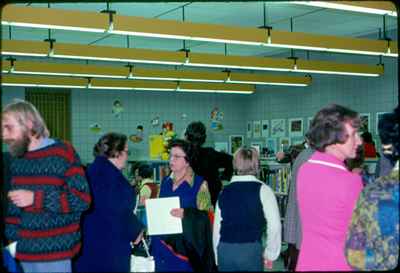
point(49, 229)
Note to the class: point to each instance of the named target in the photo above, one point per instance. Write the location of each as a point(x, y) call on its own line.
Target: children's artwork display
point(95, 128)
point(221, 147)
point(216, 119)
point(235, 142)
point(117, 108)
point(365, 125)
point(278, 128)
point(264, 128)
point(138, 137)
point(295, 127)
point(256, 128)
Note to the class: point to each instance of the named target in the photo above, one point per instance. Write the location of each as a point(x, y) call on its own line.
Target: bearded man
point(48, 192)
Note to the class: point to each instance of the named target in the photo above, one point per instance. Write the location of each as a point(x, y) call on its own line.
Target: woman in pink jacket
point(326, 191)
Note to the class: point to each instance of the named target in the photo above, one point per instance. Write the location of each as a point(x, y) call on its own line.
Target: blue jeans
point(240, 257)
point(53, 266)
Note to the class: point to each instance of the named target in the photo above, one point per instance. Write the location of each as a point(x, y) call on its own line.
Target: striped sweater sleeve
point(73, 196)
point(12, 221)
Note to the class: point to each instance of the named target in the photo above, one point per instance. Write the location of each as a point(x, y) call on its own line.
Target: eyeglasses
point(176, 156)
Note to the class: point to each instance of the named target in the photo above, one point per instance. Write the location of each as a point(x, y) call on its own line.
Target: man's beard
point(18, 147)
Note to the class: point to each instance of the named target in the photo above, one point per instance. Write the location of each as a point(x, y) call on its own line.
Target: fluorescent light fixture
point(373, 7)
point(316, 42)
point(135, 73)
point(324, 67)
point(149, 27)
point(85, 52)
point(71, 82)
point(50, 18)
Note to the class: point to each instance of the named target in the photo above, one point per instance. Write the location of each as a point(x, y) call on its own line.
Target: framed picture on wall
point(378, 118)
point(284, 143)
point(295, 127)
point(257, 145)
point(249, 129)
point(221, 147)
point(271, 145)
point(278, 128)
point(365, 125)
point(264, 128)
point(257, 128)
point(235, 142)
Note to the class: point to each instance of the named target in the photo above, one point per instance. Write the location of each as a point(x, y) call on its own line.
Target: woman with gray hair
point(243, 210)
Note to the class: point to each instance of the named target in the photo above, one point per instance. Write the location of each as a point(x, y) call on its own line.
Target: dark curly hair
point(110, 145)
point(196, 133)
point(388, 128)
point(187, 147)
point(327, 127)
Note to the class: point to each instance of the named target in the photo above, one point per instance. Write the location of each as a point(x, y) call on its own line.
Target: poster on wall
point(365, 125)
point(248, 129)
point(95, 128)
point(257, 145)
point(264, 128)
point(216, 119)
point(257, 128)
point(117, 108)
point(278, 128)
point(295, 127)
point(138, 137)
point(235, 142)
point(221, 147)
point(284, 144)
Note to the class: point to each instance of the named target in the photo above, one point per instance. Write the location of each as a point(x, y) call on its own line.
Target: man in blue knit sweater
point(47, 195)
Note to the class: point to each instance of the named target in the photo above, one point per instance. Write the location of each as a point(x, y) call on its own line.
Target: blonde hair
point(25, 112)
point(246, 161)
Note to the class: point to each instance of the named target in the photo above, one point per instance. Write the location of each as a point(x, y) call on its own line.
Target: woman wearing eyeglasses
point(181, 252)
point(109, 225)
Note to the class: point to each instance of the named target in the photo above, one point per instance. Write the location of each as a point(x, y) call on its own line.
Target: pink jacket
point(327, 193)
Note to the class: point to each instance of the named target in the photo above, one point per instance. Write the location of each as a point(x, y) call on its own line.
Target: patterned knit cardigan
point(49, 229)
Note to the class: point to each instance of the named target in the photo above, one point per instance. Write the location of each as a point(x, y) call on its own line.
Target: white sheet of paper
point(159, 219)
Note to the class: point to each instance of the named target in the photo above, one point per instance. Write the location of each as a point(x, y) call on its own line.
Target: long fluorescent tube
point(95, 71)
point(372, 7)
point(307, 41)
point(148, 27)
point(72, 82)
point(84, 52)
